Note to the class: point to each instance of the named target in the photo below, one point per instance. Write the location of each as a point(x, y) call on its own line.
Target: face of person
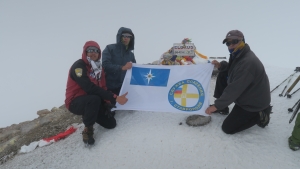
point(126, 39)
point(232, 43)
point(93, 54)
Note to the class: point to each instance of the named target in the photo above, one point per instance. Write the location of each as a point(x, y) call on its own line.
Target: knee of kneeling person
point(227, 130)
point(108, 124)
point(111, 126)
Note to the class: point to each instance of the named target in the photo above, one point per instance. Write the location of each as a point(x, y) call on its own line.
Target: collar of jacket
point(234, 59)
point(241, 53)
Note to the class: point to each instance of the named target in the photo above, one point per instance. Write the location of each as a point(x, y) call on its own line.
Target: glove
point(107, 110)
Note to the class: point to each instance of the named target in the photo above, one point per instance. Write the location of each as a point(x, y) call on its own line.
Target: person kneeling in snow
point(243, 81)
point(87, 95)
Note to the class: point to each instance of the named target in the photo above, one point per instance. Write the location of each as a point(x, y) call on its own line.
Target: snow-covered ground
point(156, 140)
point(40, 40)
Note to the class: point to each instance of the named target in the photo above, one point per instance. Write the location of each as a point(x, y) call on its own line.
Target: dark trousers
point(221, 83)
point(92, 110)
point(238, 119)
point(115, 91)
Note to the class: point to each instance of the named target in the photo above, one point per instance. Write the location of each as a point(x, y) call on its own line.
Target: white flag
point(163, 88)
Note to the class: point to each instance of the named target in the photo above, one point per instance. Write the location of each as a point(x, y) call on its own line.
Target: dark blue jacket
point(114, 57)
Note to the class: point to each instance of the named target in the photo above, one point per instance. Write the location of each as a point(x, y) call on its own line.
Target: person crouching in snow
point(243, 81)
point(86, 92)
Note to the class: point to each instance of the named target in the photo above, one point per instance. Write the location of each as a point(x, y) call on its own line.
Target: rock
point(28, 125)
point(6, 157)
point(198, 120)
point(63, 107)
point(54, 109)
point(48, 124)
point(43, 112)
point(10, 143)
point(8, 134)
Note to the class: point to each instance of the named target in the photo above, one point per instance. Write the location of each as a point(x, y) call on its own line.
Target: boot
point(294, 146)
point(264, 117)
point(88, 135)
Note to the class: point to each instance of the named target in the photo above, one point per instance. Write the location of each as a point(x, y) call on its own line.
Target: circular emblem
point(187, 95)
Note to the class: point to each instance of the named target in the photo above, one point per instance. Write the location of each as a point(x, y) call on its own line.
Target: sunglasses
point(234, 41)
point(126, 36)
point(92, 50)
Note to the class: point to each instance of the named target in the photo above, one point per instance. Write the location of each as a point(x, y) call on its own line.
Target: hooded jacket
point(80, 82)
point(115, 56)
point(247, 84)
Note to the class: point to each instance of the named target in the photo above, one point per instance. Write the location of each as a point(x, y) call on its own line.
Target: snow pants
point(295, 138)
point(92, 110)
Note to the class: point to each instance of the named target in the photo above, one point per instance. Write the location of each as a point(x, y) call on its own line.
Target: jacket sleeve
point(107, 61)
point(86, 84)
point(241, 80)
point(133, 59)
point(223, 66)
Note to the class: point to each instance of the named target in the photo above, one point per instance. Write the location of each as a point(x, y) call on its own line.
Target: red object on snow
point(61, 135)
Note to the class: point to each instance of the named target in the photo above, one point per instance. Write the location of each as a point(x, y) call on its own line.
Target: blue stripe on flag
point(149, 77)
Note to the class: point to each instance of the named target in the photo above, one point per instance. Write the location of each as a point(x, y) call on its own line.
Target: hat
point(126, 34)
point(234, 34)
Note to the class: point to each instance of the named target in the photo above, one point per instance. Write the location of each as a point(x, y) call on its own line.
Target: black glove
point(107, 110)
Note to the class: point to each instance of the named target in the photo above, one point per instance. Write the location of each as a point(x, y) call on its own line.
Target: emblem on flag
point(187, 95)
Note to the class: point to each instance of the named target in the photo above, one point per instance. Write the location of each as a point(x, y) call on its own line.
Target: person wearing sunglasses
point(87, 95)
point(243, 81)
point(118, 58)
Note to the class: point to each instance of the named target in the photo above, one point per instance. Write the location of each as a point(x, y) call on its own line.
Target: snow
point(40, 40)
point(156, 140)
point(47, 38)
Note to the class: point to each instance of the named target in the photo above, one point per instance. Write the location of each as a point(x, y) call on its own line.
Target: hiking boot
point(264, 117)
point(224, 111)
point(292, 145)
point(88, 135)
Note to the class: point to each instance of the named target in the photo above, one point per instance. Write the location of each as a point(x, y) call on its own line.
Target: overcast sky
point(40, 40)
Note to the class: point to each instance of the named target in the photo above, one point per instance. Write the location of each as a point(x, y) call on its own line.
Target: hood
point(125, 30)
point(86, 45)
